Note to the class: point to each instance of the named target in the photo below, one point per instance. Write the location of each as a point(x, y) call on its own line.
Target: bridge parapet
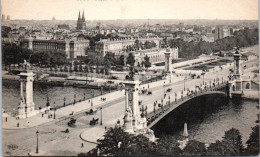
point(157, 114)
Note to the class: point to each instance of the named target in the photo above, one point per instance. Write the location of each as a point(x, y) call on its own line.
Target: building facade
point(219, 33)
point(155, 55)
point(117, 46)
point(72, 47)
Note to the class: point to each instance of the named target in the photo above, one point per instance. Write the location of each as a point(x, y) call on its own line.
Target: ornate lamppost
point(37, 145)
point(54, 109)
point(101, 115)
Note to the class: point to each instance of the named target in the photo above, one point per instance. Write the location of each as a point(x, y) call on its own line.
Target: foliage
point(13, 54)
point(149, 44)
point(242, 38)
point(121, 60)
point(230, 145)
point(116, 142)
point(147, 62)
point(253, 142)
point(168, 146)
point(130, 59)
point(194, 148)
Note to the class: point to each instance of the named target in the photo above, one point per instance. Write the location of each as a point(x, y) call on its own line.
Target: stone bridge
point(159, 113)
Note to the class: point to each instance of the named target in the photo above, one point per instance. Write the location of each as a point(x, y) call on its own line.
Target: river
point(208, 117)
point(11, 94)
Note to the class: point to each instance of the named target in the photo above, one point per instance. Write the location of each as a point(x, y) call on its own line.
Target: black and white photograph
point(130, 77)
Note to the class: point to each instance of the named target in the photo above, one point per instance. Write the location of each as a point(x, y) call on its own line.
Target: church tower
point(79, 22)
point(83, 21)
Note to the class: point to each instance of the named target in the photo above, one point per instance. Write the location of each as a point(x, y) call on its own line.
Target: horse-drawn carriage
point(93, 121)
point(169, 90)
point(143, 91)
point(91, 111)
point(72, 122)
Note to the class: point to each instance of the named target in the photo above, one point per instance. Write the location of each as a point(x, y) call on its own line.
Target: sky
point(131, 9)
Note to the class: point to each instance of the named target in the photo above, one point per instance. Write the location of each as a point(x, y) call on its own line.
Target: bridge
point(163, 110)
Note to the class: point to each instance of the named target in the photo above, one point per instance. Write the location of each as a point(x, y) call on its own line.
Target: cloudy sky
point(130, 9)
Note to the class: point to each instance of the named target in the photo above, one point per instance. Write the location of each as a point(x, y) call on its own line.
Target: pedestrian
point(42, 114)
point(105, 128)
point(6, 119)
point(18, 124)
point(101, 98)
point(82, 145)
point(51, 115)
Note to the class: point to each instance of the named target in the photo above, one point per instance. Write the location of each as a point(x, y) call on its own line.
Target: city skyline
point(126, 9)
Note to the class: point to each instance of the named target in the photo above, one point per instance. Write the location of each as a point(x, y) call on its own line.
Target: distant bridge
point(159, 113)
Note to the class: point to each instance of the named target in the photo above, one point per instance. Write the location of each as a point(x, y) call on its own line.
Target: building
point(155, 55)
point(117, 46)
point(219, 33)
point(81, 23)
point(63, 26)
point(3, 17)
point(72, 47)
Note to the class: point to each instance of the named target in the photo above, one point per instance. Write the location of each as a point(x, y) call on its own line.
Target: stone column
point(237, 57)
point(67, 49)
point(168, 61)
point(30, 43)
point(132, 99)
point(26, 107)
point(126, 99)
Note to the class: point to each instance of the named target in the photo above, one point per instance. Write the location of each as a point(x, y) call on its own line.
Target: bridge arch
point(155, 117)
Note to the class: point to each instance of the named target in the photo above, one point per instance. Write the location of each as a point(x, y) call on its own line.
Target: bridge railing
point(159, 111)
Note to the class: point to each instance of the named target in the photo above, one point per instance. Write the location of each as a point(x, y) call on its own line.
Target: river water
point(11, 94)
point(208, 117)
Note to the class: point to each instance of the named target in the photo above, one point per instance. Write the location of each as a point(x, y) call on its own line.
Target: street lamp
point(154, 104)
point(169, 100)
point(101, 116)
point(54, 109)
point(37, 149)
point(203, 77)
point(184, 84)
point(64, 101)
point(164, 87)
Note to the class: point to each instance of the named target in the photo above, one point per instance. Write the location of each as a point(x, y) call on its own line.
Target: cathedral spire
point(83, 18)
point(79, 17)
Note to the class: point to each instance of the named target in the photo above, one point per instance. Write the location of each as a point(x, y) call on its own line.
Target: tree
point(80, 68)
point(253, 141)
point(76, 68)
point(168, 146)
point(121, 60)
point(117, 142)
point(194, 148)
point(130, 59)
point(230, 145)
point(66, 69)
point(234, 139)
point(147, 62)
